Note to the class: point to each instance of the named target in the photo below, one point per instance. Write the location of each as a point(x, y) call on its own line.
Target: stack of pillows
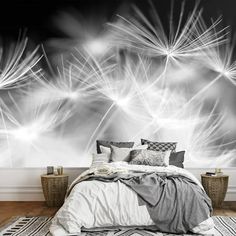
point(148, 153)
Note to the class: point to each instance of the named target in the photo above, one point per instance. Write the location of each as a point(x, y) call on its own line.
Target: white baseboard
point(231, 193)
point(23, 184)
point(21, 193)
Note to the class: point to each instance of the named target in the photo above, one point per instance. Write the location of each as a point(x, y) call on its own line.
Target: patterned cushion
point(160, 146)
point(148, 157)
point(109, 143)
point(177, 159)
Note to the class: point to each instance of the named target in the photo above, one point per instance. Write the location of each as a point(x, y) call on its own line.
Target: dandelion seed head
point(96, 47)
point(19, 69)
point(225, 73)
point(73, 95)
point(169, 52)
point(121, 102)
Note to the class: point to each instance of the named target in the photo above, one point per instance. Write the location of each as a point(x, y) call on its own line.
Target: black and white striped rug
point(225, 226)
point(27, 226)
point(38, 226)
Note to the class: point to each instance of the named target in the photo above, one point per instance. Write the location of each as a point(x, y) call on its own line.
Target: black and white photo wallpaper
point(75, 71)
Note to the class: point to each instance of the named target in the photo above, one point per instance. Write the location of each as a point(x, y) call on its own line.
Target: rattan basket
point(54, 189)
point(216, 188)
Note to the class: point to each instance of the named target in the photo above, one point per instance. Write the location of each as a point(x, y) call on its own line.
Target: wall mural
point(133, 78)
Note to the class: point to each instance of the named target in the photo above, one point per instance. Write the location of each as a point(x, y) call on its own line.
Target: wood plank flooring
point(11, 209)
point(228, 209)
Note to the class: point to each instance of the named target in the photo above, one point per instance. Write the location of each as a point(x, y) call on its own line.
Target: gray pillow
point(177, 159)
point(148, 157)
point(116, 144)
point(160, 146)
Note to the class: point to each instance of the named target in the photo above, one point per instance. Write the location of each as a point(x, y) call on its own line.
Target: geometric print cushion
point(160, 146)
point(148, 157)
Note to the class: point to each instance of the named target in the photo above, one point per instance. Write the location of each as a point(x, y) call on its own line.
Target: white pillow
point(167, 157)
point(106, 150)
point(99, 159)
point(123, 154)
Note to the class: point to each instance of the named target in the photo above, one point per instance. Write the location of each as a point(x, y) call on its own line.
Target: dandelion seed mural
point(122, 79)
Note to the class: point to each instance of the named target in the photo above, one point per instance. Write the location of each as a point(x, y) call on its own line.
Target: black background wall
point(36, 16)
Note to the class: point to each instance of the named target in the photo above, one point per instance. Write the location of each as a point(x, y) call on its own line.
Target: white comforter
point(93, 204)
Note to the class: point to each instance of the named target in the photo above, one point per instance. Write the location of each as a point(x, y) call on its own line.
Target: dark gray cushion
point(177, 159)
point(159, 146)
point(116, 144)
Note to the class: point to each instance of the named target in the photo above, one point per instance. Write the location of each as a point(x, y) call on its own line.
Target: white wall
point(23, 184)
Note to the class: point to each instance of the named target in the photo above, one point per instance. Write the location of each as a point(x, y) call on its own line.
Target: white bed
point(97, 204)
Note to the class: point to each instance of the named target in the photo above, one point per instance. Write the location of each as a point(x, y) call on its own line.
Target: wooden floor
point(10, 209)
point(228, 209)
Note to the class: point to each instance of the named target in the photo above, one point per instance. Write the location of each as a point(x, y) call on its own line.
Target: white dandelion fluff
point(16, 65)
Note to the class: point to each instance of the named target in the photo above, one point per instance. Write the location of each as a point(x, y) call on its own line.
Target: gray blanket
point(175, 203)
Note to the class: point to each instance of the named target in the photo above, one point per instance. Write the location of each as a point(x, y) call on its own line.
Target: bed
point(122, 195)
point(141, 187)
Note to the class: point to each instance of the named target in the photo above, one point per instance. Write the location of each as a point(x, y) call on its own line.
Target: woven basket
point(216, 188)
point(54, 189)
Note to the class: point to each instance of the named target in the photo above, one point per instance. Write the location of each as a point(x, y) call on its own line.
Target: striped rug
point(27, 226)
point(38, 226)
point(225, 226)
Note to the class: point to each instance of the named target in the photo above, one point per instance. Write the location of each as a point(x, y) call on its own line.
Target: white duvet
point(93, 204)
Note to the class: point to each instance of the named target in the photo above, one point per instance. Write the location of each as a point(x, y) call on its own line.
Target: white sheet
point(103, 204)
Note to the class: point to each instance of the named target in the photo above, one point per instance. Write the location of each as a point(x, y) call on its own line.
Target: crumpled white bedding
point(94, 203)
